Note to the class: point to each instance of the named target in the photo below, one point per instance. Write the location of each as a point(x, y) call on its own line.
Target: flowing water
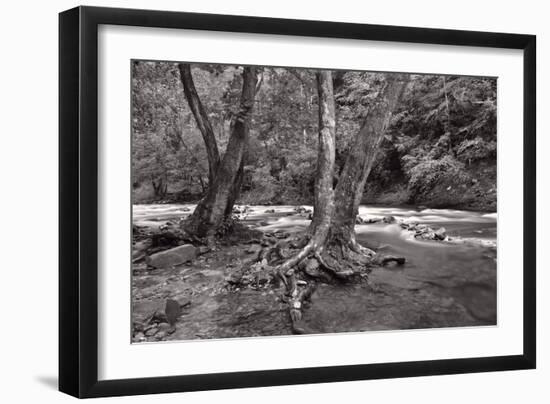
point(442, 284)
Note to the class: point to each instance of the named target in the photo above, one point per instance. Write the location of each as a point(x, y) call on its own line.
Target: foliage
point(443, 129)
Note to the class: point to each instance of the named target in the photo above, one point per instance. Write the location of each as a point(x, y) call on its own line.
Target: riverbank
point(441, 284)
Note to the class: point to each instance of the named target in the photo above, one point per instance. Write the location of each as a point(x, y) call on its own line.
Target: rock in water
point(440, 234)
point(173, 311)
point(173, 256)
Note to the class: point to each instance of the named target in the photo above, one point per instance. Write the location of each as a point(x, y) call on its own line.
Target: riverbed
point(442, 284)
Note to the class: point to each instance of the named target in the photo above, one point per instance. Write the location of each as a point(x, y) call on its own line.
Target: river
point(442, 284)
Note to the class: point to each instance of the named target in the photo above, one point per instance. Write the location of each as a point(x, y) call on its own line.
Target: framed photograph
point(251, 201)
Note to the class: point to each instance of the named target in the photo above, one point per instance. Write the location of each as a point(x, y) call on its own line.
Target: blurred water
point(440, 285)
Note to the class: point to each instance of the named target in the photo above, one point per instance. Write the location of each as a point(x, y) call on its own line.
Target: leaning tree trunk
point(361, 156)
point(211, 211)
point(201, 118)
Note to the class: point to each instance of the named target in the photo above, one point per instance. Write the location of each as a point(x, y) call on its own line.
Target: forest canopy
point(439, 149)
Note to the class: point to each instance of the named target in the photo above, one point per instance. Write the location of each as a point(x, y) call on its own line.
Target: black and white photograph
point(270, 201)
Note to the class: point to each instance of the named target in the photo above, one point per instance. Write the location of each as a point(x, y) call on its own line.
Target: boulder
point(302, 209)
point(440, 234)
point(203, 250)
point(172, 257)
point(172, 311)
point(151, 331)
point(139, 250)
point(254, 249)
point(165, 327)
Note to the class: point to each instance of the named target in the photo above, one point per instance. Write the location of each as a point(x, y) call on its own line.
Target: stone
point(151, 332)
point(172, 257)
point(358, 220)
point(269, 211)
point(172, 310)
point(254, 249)
point(158, 317)
point(440, 234)
point(389, 219)
point(301, 209)
point(164, 327)
point(139, 250)
point(160, 335)
point(203, 250)
point(312, 264)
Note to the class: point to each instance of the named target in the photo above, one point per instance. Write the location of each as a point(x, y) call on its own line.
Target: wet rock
point(139, 250)
point(440, 234)
point(301, 209)
point(234, 278)
point(174, 256)
point(359, 220)
point(167, 237)
point(138, 327)
point(158, 317)
point(427, 235)
point(386, 259)
point(239, 210)
point(254, 249)
point(389, 219)
point(280, 234)
point(151, 331)
point(172, 311)
point(269, 211)
point(312, 269)
point(164, 327)
point(203, 250)
point(159, 336)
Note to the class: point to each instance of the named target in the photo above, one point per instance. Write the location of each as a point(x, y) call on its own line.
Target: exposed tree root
point(299, 263)
point(386, 259)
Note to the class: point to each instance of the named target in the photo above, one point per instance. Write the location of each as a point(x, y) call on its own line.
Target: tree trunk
point(201, 118)
point(220, 197)
point(361, 156)
point(324, 194)
point(323, 204)
point(160, 188)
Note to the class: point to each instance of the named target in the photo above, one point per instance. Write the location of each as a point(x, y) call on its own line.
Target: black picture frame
point(78, 201)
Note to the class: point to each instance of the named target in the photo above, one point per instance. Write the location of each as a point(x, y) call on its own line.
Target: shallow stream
point(442, 284)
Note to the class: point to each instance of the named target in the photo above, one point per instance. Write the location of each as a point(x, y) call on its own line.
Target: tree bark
point(324, 193)
point(360, 159)
point(220, 197)
point(201, 118)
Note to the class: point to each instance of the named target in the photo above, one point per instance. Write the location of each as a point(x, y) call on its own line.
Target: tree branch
point(201, 118)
